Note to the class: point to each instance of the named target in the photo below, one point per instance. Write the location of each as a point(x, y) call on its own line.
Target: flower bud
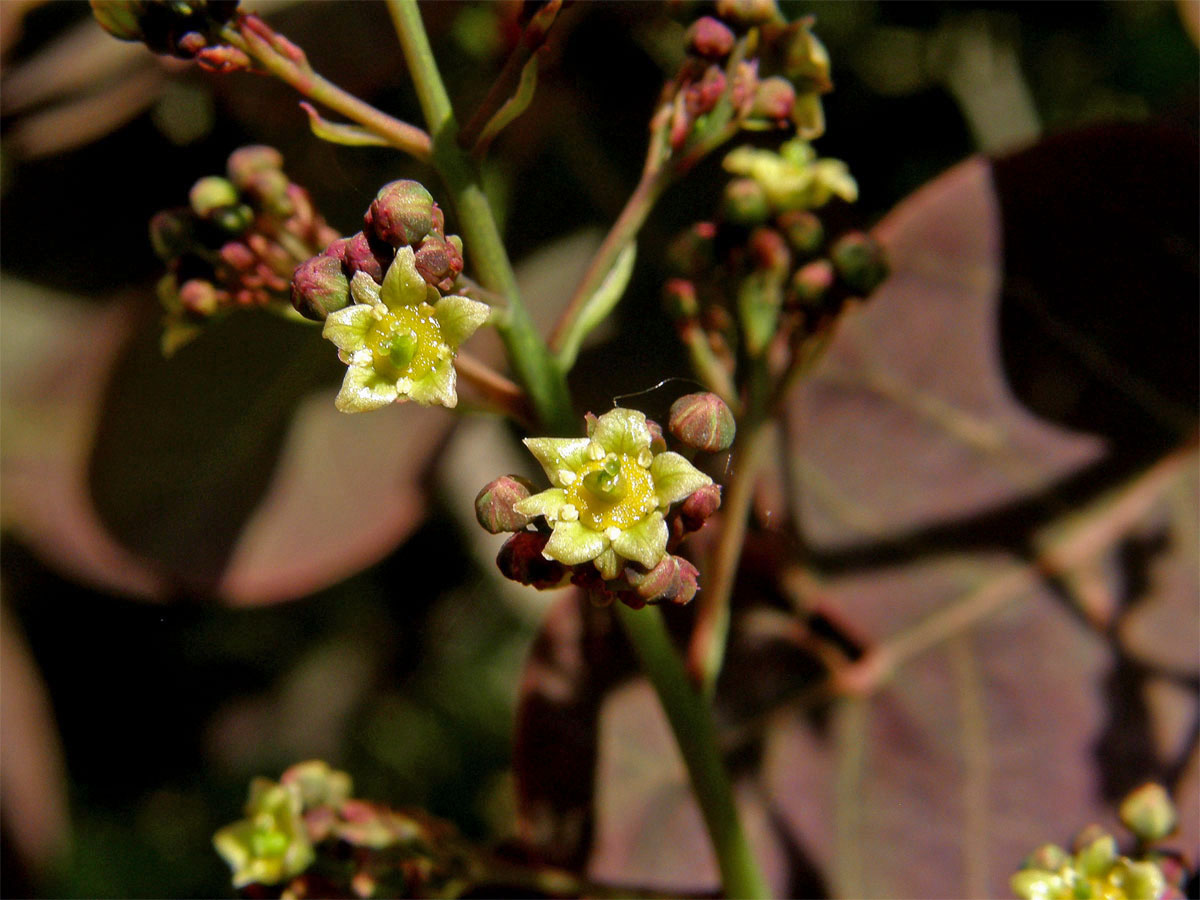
point(702, 421)
point(803, 230)
point(768, 250)
point(674, 579)
point(1049, 857)
point(212, 193)
point(1148, 813)
point(692, 251)
point(337, 249)
point(710, 38)
point(269, 190)
point(494, 504)
point(745, 202)
point(199, 297)
point(774, 99)
point(439, 261)
point(1094, 858)
point(246, 162)
point(521, 560)
point(812, 282)
point(120, 18)
point(748, 13)
point(319, 287)
point(698, 507)
point(806, 61)
point(702, 96)
point(402, 213)
point(859, 261)
point(679, 297)
point(361, 255)
point(171, 234)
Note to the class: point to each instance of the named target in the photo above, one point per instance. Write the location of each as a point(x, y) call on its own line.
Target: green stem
point(527, 352)
point(691, 720)
point(254, 38)
point(706, 652)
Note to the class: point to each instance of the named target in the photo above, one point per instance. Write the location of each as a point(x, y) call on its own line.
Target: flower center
point(407, 342)
point(614, 491)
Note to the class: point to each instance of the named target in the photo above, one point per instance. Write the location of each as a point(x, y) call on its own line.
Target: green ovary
point(629, 500)
point(407, 343)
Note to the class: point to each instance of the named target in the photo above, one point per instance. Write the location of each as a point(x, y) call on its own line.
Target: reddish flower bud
point(774, 99)
point(769, 250)
point(199, 297)
point(674, 580)
point(702, 96)
point(494, 504)
point(692, 252)
point(521, 560)
point(710, 38)
point(402, 213)
point(337, 249)
point(748, 13)
point(696, 509)
point(246, 162)
point(702, 421)
point(812, 282)
point(361, 255)
point(679, 297)
point(439, 261)
point(319, 287)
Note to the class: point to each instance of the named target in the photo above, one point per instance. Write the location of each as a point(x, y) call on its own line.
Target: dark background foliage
point(405, 673)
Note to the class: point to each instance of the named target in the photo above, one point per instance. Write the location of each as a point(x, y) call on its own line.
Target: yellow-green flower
point(794, 178)
point(399, 340)
point(271, 844)
point(1096, 872)
point(609, 493)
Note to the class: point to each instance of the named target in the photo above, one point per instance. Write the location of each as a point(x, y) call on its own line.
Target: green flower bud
point(1095, 858)
point(212, 193)
point(269, 190)
point(812, 282)
point(1050, 857)
point(859, 261)
point(402, 213)
point(319, 287)
point(748, 13)
point(803, 230)
point(702, 421)
point(710, 38)
point(745, 202)
point(120, 18)
point(806, 61)
point(246, 162)
point(1148, 813)
point(494, 504)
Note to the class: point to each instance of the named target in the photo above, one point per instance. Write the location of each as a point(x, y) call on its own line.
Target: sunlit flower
point(609, 493)
point(399, 340)
point(271, 844)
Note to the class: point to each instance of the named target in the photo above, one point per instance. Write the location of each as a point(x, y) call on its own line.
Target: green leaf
point(338, 133)
point(598, 306)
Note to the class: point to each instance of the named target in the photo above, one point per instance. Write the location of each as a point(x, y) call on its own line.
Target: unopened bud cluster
point(403, 214)
point(181, 28)
point(764, 74)
point(764, 274)
point(1095, 867)
point(308, 818)
point(237, 242)
point(619, 505)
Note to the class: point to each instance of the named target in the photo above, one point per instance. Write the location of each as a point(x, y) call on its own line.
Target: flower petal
point(644, 543)
point(557, 454)
point(364, 289)
point(547, 503)
point(437, 387)
point(675, 478)
point(608, 564)
point(622, 431)
point(403, 284)
point(363, 389)
point(573, 543)
point(348, 327)
point(459, 317)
